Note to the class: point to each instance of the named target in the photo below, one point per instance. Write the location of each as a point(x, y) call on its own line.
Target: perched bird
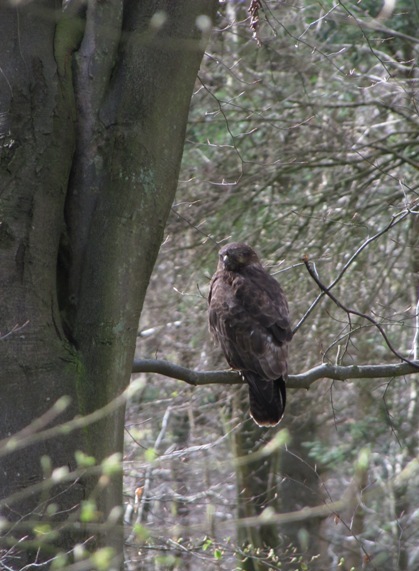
point(249, 317)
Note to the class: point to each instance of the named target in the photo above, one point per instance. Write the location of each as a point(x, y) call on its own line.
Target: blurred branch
point(300, 381)
point(145, 497)
point(365, 22)
point(375, 491)
point(33, 433)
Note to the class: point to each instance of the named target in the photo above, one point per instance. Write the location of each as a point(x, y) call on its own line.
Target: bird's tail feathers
point(267, 399)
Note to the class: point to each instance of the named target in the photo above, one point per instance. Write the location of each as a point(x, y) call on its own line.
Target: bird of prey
point(249, 317)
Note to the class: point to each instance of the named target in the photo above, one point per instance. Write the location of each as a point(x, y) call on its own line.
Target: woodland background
point(304, 145)
point(302, 140)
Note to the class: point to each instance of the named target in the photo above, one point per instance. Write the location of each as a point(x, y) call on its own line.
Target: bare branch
point(195, 378)
point(15, 329)
point(141, 513)
point(300, 381)
point(343, 373)
point(394, 220)
point(313, 273)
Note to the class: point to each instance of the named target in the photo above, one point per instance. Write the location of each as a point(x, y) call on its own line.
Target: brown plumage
point(248, 316)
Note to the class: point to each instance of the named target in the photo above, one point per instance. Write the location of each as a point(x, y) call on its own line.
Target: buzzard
point(248, 316)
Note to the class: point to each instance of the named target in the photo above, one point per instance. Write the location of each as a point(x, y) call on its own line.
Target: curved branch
point(313, 273)
point(300, 381)
point(326, 289)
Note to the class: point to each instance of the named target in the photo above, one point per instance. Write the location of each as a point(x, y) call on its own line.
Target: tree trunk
point(256, 490)
point(301, 485)
point(93, 108)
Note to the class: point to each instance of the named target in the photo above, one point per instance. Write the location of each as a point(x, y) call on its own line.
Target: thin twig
point(144, 504)
point(394, 220)
point(313, 273)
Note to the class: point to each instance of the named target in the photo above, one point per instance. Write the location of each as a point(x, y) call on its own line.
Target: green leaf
point(84, 460)
point(218, 554)
point(150, 455)
point(46, 465)
point(102, 558)
point(207, 543)
point(111, 465)
point(363, 460)
point(60, 561)
point(88, 511)
point(41, 529)
point(141, 532)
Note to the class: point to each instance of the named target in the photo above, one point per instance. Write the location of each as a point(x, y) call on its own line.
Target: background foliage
point(302, 141)
point(306, 144)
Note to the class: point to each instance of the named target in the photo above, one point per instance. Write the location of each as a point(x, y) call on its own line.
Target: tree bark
point(256, 491)
point(94, 104)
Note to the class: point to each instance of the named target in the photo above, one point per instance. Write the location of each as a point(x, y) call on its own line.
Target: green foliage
point(141, 532)
point(60, 561)
point(102, 558)
point(150, 455)
point(353, 445)
point(44, 533)
point(84, 460)
point(88, 511)
point(218, 554)
point(207, 543)
point(112, 465)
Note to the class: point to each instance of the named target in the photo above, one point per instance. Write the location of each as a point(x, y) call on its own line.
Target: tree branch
point(300, 381)
point(326, 290)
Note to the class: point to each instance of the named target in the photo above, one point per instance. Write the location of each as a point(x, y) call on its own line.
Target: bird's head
point(234, 256)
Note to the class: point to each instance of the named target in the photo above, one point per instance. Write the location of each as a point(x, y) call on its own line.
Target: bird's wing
point(264, 300)
point(248, 314)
